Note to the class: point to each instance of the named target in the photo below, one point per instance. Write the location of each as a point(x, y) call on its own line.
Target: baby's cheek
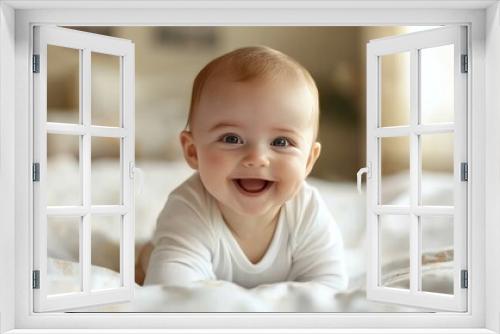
point(291, 173)
point(294, 166)
point(215, 166)
point(215, 159)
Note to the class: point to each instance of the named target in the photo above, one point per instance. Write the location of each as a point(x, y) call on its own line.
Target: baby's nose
point(256, 158)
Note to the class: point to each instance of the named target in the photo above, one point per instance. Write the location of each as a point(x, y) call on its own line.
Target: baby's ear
point(189, 149)
point(313, 156)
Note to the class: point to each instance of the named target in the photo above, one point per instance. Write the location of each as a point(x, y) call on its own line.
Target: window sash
point(86, 43)
point(412, 43)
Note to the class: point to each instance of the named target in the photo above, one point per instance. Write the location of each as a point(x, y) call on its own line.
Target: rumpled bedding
point(348, 209)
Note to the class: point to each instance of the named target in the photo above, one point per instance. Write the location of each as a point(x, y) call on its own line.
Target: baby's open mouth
point(253, 186)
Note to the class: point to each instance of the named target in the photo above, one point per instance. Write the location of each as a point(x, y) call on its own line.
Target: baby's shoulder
point(306, 209)
point(191, 189)
point(192, 196)
point(187, 211)
point(305, 200)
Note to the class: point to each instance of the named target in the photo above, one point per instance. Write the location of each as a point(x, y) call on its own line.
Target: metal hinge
point(465, 64)
point(36, 172)
point(36, 279)
point(464, 171)
point(36, 63)
point(464, 279)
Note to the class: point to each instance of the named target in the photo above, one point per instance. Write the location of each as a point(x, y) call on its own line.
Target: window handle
point(360, 173)
point(138, 175)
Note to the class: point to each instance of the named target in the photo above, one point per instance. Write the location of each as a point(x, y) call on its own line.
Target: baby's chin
point(252, 212)
point(248, 210)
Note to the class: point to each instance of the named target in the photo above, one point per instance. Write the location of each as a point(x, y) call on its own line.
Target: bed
point(348, 209)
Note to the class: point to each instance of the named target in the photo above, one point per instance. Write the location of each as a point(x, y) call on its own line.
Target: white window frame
point(16, 20)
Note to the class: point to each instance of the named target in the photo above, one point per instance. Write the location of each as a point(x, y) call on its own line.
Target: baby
point(247, 215)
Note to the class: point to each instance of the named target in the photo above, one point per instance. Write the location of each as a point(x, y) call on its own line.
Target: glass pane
point(395, 89)
point(63, 254)
point(437, 169)
point(437, 254)
point(64, 185)
point(394, 241)
point(436, 84)
point(106, 171)
point(395, 171)
point(63, 84)
point(106, 245)
point(106, 90)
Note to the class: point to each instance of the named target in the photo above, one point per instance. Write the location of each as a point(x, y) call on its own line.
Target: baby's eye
point(281, 142)
point(231, 139)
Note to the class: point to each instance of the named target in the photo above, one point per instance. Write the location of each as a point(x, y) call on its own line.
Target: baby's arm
point(176, 267)
point(142, 263)
point(318, 251)
point(182, 252)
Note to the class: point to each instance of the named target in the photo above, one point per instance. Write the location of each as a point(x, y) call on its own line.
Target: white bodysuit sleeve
point(317, 247)
point(183, 242)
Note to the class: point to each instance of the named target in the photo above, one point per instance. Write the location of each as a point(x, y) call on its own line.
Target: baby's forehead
point(271, 84)
point(281, 91)
point(267, 101)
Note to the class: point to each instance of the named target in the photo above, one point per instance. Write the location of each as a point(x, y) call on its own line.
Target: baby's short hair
point(247, 63)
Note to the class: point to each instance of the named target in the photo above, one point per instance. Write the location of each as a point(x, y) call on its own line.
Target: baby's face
point(252, 143)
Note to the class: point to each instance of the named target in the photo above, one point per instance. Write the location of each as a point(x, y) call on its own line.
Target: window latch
point(361, 171)
point(136, 173)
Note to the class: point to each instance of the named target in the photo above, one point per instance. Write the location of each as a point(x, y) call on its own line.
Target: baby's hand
point(142, 263)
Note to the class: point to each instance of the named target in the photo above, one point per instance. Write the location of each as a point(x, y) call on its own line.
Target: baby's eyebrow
point(294, 132)
point(223, 125)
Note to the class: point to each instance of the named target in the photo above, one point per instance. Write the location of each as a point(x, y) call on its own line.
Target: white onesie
point(193, 243)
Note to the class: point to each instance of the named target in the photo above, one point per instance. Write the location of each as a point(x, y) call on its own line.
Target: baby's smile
point(253, 187)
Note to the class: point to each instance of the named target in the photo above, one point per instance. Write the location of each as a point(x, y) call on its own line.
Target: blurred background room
point(167, 60)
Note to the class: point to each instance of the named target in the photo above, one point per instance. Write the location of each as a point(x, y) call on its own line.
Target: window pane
point(63, 84)
point(395, 89)
point(437, 254)
point(395, 171)
point(64, 185)
point(436, 84)
point(394, 241)
point(63, 254)
point(106, 90)
point(437, 169)
point(106, 171)
point(106, 247)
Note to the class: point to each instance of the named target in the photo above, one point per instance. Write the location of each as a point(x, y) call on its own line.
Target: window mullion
point(86, 158)
point(78, 129)
point(76, 210)
point(435, 128)
point(65, 129)
point(414, 173)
